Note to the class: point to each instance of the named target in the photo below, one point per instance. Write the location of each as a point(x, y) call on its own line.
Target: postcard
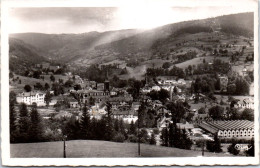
point(129, 83)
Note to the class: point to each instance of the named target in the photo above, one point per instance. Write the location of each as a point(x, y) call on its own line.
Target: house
point(121, 99)
point(99, 96)
point(170, 82)
point(246, 103)
point(127, 115)
point(31, 97)
point(163, 122)
point(73, 103)
point(146, 90)
point(100, 86)
point(156, 88)
point(223, 83)
point(71, 89)
point(113, 92)
point(230, 129)
point(181, 82)
point(98, 109)
point(54, 68)
point(187, 126)
point(244, 71)
point(136, 105)
point(45, 65)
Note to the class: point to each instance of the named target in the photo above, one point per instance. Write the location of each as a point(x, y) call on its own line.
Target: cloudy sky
point(86, 19)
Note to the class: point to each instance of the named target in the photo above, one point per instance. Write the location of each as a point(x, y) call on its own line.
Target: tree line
point(27, 125)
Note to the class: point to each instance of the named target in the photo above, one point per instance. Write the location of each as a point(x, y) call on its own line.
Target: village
point(198, 119)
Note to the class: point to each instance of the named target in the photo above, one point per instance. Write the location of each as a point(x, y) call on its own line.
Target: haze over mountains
point(96, 47)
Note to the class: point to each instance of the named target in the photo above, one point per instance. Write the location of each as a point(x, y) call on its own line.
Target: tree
point(165, 137)
point(163, 95)
point(12, 97)
point(92, 101)
point(48, 98)
point(232, 114)
point(52, 78)
point(85, 123)
point(171, 135)
point(216, 112)
point(141, 115)
point(11, 75)
point(35, 130)
point(202, 110)
point(242, 86)
point(27, 88)
point(166, 65)
point(177, 111)
point(186, 141)
point(23, 123)
point(189, 117)
point(68, 83)
point(214, 146)
point(132, 129)
point(247, 114)
point(38, 86)
point(152, 139)
point(109, 128)
point(77, 87)
point(231, 89)
point(46, 86)
point(12, 119)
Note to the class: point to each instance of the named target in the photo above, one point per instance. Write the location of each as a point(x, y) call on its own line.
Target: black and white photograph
point(140, 83)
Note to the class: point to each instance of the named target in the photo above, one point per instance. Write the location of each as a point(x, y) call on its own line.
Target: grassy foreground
point(91, 148)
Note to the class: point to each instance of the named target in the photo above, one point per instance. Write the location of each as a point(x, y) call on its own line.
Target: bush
point(118, 138)
point(132, 138)
point(231, 149)
point(199, 142)
point(214, 146)
point(152, 140)
point(156, 131)
point(229, 140)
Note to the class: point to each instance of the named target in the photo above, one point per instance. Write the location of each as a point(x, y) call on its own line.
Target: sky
point(59, 20)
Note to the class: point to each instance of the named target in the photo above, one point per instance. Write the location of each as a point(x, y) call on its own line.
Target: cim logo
point(242, 147)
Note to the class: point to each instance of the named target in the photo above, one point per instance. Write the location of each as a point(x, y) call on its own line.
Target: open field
point(90, 148)
point(15, 86)
point(199, 60)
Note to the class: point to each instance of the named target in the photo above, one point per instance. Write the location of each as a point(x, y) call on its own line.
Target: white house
point(31, 97)
point(181, 82)
point(98, 109)
point(156, 88)
point(246, 103)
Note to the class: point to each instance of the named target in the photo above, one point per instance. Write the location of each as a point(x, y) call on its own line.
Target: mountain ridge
point(131, 43)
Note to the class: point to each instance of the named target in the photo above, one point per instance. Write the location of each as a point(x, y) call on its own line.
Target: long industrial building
point(230, 129)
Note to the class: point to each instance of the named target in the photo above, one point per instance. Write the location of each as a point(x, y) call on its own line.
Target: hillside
point(23, 55)
point(66, 47)
point(91, 148)
point(161, 41)
point(176, 43)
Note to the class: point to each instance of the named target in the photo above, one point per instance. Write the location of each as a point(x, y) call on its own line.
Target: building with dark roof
point(230, 129)
point(98, 95)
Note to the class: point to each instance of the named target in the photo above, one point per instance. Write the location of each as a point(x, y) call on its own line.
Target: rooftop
point(214, 126)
